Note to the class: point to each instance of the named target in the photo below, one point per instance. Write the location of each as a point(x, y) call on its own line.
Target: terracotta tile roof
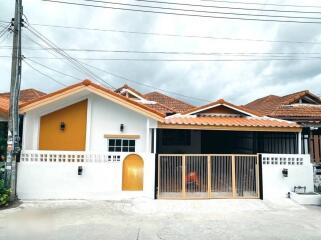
point(4, 105)
point(170, 102)
point(294, 111)
point(26, 95)
point(160, 108)
point(262, 122)
point(223, 102)
point(292, 98)
point(267, 105)
point(89, 84)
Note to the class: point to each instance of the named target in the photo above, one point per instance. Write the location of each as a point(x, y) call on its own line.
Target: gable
point(220, 110)
point(87, 87)
point(301, 97)
point(222, 107)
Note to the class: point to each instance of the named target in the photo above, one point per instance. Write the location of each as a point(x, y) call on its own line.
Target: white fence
point(54, 175)
point(300, 173)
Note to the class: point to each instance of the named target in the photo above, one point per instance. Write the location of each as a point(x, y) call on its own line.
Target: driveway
point(161, 219)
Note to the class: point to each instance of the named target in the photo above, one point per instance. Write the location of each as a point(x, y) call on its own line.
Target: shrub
point(4, 194)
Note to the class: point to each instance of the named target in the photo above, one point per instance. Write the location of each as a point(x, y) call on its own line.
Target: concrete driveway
point(161, 219)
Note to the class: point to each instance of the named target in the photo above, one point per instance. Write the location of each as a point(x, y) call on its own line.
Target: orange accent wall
point(73, 138)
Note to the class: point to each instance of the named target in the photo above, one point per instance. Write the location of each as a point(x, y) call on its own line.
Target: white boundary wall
point(54, 175)
point(300, 173)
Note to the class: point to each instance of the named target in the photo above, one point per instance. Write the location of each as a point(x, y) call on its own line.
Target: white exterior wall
point(106, 118)
point(103, 117)
point(101, 179)
point(300, 173)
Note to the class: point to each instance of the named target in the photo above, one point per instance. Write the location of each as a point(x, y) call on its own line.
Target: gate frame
point(209, 176)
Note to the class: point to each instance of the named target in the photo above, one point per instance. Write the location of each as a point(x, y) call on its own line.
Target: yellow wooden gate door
point(133, 173)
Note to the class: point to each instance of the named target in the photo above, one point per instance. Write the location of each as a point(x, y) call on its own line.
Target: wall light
point(285, 172)
point(80, 170)
point(122, 127)
point(62, 126)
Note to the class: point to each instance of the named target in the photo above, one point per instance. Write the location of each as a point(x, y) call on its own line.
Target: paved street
point(166, 220)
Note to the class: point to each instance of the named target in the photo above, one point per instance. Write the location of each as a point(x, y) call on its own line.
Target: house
point(304, 108)
point(26, 95)
point(89, 142)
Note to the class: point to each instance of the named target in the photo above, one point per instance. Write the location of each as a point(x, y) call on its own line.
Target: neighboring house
point(87, 141)
point(156, 100)
point(301, 107)
point(26, 95)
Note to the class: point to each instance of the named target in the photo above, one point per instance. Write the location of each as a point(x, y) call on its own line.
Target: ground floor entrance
point(192, 176)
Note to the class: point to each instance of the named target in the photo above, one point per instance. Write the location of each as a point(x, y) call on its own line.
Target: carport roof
point(230, 123)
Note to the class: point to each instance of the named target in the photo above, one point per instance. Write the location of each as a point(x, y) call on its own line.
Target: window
point(121, 145)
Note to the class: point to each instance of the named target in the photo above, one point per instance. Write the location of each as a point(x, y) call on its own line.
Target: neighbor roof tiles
point(26, 96)
point(170, 102)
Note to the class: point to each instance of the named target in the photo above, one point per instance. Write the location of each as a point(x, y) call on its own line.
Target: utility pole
point(13, 147)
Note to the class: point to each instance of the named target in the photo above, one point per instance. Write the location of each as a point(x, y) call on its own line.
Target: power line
point(124, 78)
point(260, 4)
point(76, 78)
point(171, 35)
point(207, 6)
point(66, 55)
point(228, 7)
point(168, 52)
point(60, 83)
point(185, 14)
point(71, 60)
point(174, 35)
point(146, 85)
point(178, 60)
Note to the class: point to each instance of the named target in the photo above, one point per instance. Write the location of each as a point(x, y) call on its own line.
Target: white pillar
point(154, 147)
point(147, 148)
point(88, 125)
point(300, 142)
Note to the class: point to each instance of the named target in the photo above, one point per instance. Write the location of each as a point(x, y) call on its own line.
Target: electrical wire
point(146, 85)
point(71, 60)
point(58, 82)
point(203, 11)
point(55, 70)
point(178, 60)
point(262, 4)
point(185, 14)
point(174, 35)
point(169, 52)
point(224, 7)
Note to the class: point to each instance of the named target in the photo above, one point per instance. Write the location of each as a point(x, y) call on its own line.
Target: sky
point(196, 82)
